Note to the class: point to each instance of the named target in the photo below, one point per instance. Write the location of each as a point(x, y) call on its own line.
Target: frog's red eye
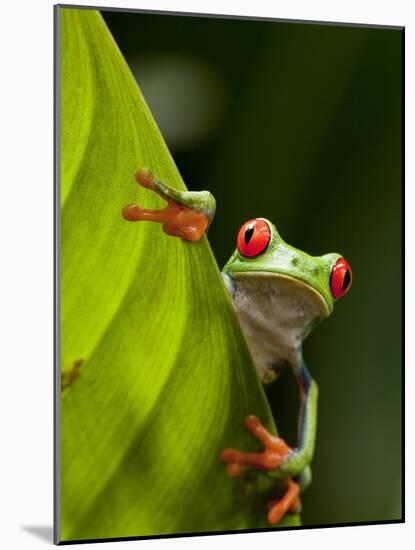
point(254, 237)
point(341, 278)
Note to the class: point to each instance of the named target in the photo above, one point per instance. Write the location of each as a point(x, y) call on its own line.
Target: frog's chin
point(276, 313)
point(270, 276)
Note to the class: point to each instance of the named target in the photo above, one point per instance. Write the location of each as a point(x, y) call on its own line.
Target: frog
point(279, 294)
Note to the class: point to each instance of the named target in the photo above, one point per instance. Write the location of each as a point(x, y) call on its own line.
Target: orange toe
point(290, 502)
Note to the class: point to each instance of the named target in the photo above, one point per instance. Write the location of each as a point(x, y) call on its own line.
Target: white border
point(26, 124)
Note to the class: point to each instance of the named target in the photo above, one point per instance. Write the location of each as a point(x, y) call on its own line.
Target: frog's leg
point(291, 462)
point(304, 479)
point(302, 455)
point(276, 453)
point(187, 214)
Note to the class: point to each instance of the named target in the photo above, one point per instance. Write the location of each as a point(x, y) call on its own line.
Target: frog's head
point(261, 252)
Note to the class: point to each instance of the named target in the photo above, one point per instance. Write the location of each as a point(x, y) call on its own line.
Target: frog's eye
point(254, 237)
point(340, 278)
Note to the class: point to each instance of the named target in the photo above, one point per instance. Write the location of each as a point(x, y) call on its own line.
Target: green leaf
point(166, 378)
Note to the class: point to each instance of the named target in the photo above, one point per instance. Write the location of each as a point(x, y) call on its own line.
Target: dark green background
point(302, 123)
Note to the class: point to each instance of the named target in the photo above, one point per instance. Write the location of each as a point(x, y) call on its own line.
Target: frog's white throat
point(276, 312)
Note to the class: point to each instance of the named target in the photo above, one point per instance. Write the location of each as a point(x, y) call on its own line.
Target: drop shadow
point(44, 532)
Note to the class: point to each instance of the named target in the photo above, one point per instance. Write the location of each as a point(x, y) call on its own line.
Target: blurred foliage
point(309, 136)
point(166, 378)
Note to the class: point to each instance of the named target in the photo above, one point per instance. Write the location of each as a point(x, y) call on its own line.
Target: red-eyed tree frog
point(279, 294)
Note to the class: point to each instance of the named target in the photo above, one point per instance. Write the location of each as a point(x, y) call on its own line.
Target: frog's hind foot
point(187, 214)
point(276, 451)
point(289, 503)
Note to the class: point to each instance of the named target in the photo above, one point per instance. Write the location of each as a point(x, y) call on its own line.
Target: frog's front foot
point(187, 214)
point(276, 453)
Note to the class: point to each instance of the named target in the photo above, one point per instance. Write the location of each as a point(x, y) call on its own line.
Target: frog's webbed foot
point(276, 453)
point(69, 375)
point(187, 214)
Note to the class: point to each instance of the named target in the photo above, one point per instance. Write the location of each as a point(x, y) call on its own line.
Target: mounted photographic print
point(229, 260)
